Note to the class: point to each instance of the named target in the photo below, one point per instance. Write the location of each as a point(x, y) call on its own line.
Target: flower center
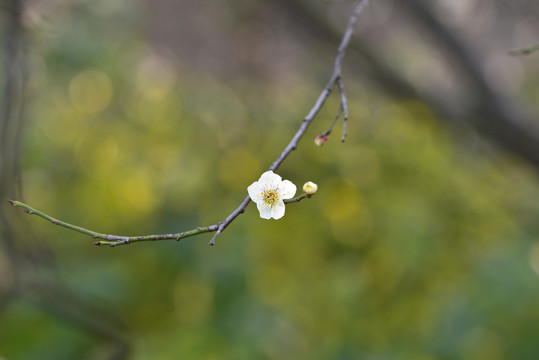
point(271, 197)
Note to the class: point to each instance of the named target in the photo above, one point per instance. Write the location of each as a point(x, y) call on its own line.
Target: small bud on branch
point(310, 188)
point(321, 139)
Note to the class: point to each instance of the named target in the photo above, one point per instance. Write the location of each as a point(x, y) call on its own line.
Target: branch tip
point(113, 240)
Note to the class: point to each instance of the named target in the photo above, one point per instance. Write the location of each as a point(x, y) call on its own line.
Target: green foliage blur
point(416, 246)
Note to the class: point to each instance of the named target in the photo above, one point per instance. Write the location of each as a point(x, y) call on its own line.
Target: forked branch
point(335, 79)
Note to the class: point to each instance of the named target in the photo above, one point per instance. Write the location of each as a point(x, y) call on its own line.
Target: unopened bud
point(310, 188)
point(321, 139)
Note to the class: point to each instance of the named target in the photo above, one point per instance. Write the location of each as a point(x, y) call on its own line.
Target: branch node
point(219, 229)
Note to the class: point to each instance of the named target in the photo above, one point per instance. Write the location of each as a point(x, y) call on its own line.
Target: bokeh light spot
point(97, 155)
point(156, 75)
point(342, 202)
point(91, 91)
point(135, 194)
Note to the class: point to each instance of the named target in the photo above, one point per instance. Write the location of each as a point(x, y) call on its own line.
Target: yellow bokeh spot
point(237, 168)
point(97, 155)
point(135, 194)
point(62, 124)
point(151, 111)
point(163, 155)
point(342, 202)
point(350, 221)
point(91, 91)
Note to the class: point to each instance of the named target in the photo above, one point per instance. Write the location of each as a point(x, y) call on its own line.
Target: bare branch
point(115, 240)
point(335, 77)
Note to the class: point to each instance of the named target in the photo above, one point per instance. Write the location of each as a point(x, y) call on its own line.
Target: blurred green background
point(143, 118)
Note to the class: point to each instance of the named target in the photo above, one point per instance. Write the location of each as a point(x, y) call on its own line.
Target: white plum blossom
point(269, 192)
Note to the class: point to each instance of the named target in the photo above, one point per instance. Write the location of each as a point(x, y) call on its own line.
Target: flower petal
point(255, 192)
point(270, 178)
point(265, 210)
point(287, 190)
point(277, 210)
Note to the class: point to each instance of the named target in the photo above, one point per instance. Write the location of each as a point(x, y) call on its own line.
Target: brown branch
point(115, 240)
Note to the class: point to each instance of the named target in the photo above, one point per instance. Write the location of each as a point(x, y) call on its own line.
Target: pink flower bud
point(321, 139)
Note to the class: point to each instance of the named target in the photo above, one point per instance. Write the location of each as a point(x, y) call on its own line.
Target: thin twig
point(115, 240)
point(343, 108)
point(336, 78)
point(230, 218)
point(297, 199)
point(327, 89)
point(330, 128)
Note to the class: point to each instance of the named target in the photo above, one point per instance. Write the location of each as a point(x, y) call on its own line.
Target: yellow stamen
point(271, 197)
